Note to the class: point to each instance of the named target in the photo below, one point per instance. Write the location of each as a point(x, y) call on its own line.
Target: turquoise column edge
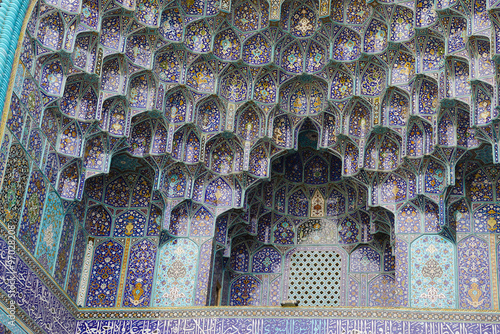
point(12, 13)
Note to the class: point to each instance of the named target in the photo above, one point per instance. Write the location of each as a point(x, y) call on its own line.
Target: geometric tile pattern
point(32, 213)
point(105, 275)
point(50, 231)
point(245, 291)
point(432, 273)
point(139, 281)
point(365, 259)
point(14, 185)
point(382, 291)
point(474, 274)
point(315, 278)
point(75, 268)
point(175, 272)
point(64, 255)
point(266, 260)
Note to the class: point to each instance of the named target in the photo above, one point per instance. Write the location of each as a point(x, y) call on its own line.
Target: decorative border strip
point(295, 312)
point(47, 280)
point(494, 270)
point(278, 325)
point(123, 274)
point(82, 290)
point(26, 321)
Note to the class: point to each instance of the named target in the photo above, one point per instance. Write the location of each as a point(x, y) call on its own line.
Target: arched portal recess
point(298, 230)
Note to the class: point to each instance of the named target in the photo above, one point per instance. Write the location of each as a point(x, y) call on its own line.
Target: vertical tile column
point(123, 274)
point(84, 280)
point(494, 270)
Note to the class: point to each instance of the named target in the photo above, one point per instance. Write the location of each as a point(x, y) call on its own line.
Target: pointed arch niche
point(304, 224)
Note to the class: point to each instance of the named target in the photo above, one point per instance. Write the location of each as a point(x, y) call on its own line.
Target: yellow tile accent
point(494, 271)
point(123, 273)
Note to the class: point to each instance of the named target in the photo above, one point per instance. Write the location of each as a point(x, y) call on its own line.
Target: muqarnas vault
point(338, 153)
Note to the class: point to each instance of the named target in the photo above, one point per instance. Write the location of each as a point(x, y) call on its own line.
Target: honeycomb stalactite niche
point(336, 152)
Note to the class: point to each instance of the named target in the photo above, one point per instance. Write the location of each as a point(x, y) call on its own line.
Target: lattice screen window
point(315, 278)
